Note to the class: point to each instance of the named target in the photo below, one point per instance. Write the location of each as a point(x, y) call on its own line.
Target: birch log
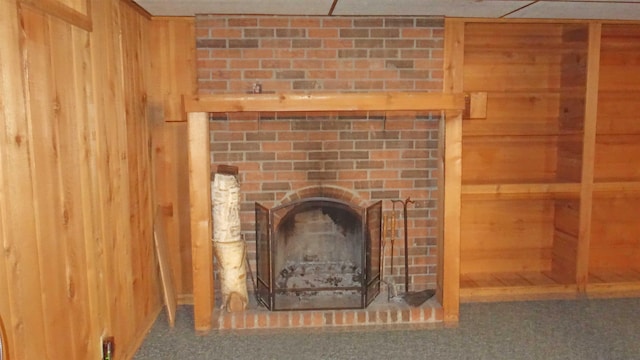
point(228, 246)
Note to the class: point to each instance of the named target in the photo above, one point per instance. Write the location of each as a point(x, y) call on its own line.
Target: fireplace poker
point(385, 224)
point(393, 236)
point(416, 298)
point(391, 286)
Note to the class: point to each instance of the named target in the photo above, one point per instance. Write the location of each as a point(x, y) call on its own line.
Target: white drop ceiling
point(541, 9)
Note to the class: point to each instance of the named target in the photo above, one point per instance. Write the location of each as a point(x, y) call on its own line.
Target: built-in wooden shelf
point(506, 286)
point(549, 180)
point(615, 188)
point(614, 281)
point(521, 191)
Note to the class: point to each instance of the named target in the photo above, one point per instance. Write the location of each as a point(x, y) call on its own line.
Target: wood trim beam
point(381, 101)
point(63, 12)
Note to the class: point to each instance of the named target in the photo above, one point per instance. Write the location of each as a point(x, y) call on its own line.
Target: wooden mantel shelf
point(373, 101)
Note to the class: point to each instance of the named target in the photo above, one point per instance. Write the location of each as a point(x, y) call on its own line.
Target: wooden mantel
point(375, 101)
point(197, 109)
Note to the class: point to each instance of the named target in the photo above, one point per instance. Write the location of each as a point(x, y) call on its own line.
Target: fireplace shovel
point(415, 298)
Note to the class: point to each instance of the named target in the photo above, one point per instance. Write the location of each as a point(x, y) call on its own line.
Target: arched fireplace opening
point(318, 253)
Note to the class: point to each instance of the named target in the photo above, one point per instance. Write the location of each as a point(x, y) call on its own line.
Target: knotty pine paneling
point(173, 62)
point(136, 68)
point(170, 161)
point(76, 178)
point(172, 49)
point(21, 308)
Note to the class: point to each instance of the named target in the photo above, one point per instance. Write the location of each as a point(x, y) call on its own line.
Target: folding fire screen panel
point(318, 253)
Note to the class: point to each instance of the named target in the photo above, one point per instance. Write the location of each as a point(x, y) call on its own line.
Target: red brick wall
point(319, 53)
point(373, 156)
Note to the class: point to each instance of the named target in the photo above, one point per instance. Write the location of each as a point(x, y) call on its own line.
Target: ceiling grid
point(539, 9)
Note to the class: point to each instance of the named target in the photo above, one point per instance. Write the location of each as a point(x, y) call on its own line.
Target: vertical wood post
point(588, 155)
point(449, 246)
point(201, 227)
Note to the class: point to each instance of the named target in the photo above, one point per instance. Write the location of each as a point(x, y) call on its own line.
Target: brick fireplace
point(363, 156)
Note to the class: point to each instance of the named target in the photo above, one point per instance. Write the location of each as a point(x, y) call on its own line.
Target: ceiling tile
point(544, 9)
point(270, 7)
point(452, 8)
point(581, 10)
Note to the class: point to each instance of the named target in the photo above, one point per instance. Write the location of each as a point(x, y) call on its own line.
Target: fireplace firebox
point(318, 253)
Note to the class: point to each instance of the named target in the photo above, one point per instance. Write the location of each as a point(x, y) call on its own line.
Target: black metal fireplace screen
point(318, 253)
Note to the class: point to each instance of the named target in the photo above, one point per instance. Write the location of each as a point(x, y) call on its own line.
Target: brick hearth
point(382, 312)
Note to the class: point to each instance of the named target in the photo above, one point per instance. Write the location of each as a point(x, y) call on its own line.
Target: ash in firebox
point(301, 277)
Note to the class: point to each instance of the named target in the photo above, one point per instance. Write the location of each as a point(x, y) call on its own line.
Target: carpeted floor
point(573, 329)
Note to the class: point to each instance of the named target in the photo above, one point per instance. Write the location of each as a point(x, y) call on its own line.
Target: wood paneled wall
point(173, 57)
point(76, 178)
point(172, 48)
point(172, 195)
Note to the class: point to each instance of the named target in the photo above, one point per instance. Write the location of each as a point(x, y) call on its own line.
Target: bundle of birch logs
point(228, 245)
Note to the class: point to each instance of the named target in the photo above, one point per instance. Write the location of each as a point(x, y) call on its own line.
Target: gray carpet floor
point(572, 329)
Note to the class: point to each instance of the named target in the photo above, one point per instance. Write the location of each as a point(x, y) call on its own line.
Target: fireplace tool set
point(415, 298)
point(388, 227)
